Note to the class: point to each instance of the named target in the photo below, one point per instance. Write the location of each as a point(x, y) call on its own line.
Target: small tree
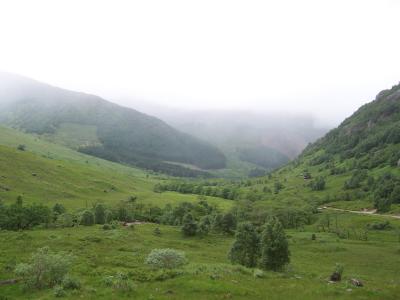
point(204, 225)
point(58, 209)
point(228, 223)
point(274, 246)
point(189, 226)
point(245, 249)
point(100, 214)
point(87, 218)
point(46, 269)
point(166, 259)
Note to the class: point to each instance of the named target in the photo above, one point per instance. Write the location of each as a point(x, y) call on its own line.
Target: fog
point(324, 58)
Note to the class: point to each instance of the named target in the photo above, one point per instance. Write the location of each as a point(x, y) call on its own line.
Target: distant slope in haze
point(113, 132)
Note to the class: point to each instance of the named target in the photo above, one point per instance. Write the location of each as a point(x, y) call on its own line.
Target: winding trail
point(360, 212)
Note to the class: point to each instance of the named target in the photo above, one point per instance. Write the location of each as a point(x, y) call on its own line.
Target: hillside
point(355, 166)
point(95, 126)
point(48, 173)
point(249, 140)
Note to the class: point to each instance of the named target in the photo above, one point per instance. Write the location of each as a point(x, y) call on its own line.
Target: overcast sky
point(324, 57)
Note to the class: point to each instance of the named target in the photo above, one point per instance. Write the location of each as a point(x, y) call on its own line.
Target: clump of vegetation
point(157, 231)
point(21, 147)
point(46, 269)
point(70, 283)
point(58, 291)
point(120, 282)
point(318, 184)
point(87, 218)
point(245, 249)
point(337, 273)
point(274, 247)
point(166, 259)
point(379, 225)
point(189, 226)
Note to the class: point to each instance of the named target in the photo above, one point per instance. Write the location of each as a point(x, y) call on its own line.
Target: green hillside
point(48, 173)
point(355, 166)
point(103, 129)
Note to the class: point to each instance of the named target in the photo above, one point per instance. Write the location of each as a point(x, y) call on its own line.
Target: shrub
point(157, 231)
point(45, 269)
point(58, 291)
point(379, 225)
point(258, 273)
point(21, 147)
point(71, 283)
point(107, 227)
point(166, 259)
point(189, 226)
point(65, 220)
point(100, 214)
point(337, 273)
point(120, 281)
point(87, 218)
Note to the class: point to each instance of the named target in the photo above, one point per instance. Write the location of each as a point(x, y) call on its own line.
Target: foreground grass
point(209, 275)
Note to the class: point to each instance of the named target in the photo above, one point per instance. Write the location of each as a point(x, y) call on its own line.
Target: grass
point(49, 173)
point(209, 275)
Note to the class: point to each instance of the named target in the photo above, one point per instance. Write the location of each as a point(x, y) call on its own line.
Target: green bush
point(58, 291)
point(87, 218)
point(70, 283)
point(166, 259)
point(120, 282)
point(45, 269)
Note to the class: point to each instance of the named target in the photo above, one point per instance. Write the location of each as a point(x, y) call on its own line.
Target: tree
point(228, 223)
point(87, 218)
point(58, 209)
point(395, 195)
point(189, 226)
point(245, 248)
point(204, 225)
point(100, 214)
point(318, 184)
point(274, 246)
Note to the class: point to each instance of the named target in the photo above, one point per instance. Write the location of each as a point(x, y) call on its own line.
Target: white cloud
point(327, 57)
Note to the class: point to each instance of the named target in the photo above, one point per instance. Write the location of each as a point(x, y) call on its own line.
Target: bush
point(46, 269)
point(189, 226)
point(71, 283)
point(379, 225)
point(157, 231)
point(65, 220)
point(337, 273)
point(120, 282)
point(58, 291)
point(87, 218)
point(166, 259)
point(258, 273)
point(107, 227)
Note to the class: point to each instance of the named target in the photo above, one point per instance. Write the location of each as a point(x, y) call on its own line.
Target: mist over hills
point(95, 126)
point(263, 139)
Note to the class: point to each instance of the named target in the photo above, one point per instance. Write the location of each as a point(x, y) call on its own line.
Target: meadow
point(209, 274)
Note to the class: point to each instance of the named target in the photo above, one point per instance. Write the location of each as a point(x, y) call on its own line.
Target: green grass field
point(48, 173)
point(209, 275)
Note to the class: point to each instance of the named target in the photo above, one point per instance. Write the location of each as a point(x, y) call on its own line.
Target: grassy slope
point(48, 173)
point(209, 275)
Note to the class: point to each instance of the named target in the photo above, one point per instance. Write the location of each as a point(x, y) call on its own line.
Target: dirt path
point(369, 212)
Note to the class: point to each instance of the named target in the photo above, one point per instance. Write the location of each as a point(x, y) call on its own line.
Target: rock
point(356, 282)
point(335, 277)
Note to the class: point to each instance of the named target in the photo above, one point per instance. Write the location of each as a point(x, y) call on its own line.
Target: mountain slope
point(113, 132)
point(355, 166)
point(48, 173)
